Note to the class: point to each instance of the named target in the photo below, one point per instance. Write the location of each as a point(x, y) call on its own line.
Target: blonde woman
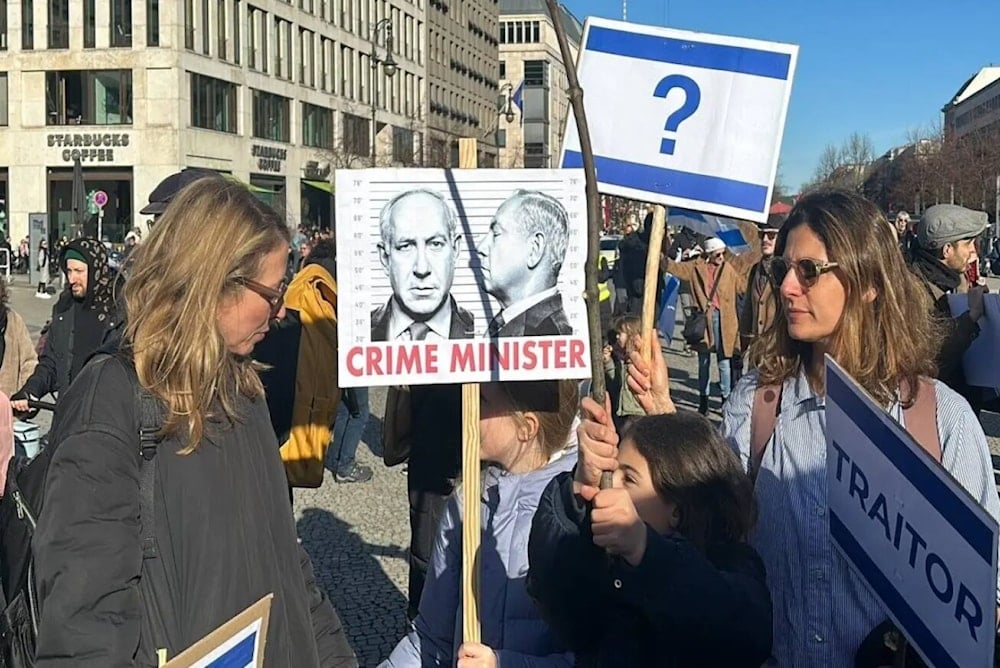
point(203, 289)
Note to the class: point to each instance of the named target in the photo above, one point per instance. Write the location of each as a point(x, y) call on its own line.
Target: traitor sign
point(461, 276)
point(682, 118)
point(925, 547)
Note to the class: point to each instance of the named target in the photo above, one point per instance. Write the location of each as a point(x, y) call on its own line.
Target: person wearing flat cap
point(760, 303)
point(168, 188)
point(945, 244)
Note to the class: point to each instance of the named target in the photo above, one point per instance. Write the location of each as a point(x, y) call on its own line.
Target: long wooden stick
point(659, 225)
point(594, 218)
point(471, 488)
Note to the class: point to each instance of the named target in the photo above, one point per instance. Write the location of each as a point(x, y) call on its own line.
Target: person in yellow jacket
point(604, 294)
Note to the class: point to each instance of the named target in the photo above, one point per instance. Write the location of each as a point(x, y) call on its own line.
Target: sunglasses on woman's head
point(275, 298)
point(807, 270)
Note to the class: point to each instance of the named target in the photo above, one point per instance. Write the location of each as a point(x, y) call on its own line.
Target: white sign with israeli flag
point(923, 545)
point(682, 118)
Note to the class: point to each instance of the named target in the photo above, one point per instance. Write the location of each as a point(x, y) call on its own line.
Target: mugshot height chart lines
point(457, 276)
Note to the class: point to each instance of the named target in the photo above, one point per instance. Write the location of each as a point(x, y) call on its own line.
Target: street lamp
point(507, 106)
point(388, 68)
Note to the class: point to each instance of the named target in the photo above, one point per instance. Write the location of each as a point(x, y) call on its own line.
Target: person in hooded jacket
point(81, 318)
point(203, 289)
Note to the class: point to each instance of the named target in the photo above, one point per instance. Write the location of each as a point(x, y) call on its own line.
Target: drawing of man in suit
point(521, 256)
point(418, 248)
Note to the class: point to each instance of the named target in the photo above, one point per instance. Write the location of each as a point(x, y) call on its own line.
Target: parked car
point(609, 248)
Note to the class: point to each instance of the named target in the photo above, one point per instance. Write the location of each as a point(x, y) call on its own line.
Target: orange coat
point(734, 282)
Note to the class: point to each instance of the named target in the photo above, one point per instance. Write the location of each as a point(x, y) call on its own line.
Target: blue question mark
point(692, 99)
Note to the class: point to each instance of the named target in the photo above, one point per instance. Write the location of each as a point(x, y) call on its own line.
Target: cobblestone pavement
point(357, 534)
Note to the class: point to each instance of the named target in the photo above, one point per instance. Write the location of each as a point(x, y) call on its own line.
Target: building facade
point(976, 106)
point(533, 75)
point(277, 94)
point(462, 79)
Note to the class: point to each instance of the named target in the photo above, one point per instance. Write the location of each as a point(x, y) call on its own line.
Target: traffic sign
point(682, 118)
point(100, 199)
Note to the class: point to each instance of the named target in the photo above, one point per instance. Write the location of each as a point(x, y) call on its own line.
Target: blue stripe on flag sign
point(239, 655)
point(668, 307)
point(733, 238)
point(738, 59)
point(907, 462)
point(737, 194)
point(915, 629)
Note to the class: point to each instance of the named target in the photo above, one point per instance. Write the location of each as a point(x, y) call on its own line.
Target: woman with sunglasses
point(126, 579)
point(843, 290)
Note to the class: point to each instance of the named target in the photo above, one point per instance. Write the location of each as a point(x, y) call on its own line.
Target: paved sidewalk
point(357, 534)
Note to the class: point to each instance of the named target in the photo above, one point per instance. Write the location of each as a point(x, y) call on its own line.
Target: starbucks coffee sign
point(269, 158)
point(89, 146)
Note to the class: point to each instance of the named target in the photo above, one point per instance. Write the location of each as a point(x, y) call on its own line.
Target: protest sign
point(682, 118)
point(239, 643)
point(981, 362)
point(923, 545)
point(461, 276)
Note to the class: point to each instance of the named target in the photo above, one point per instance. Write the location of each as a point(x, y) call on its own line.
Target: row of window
point(991, 105)
point(446, 52)
point(206, 27)
point(207, 30)
point(214, 107)
point(119, 22)
point(520, 32)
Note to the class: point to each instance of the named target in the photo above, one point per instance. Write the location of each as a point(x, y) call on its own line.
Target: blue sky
point(875, 66)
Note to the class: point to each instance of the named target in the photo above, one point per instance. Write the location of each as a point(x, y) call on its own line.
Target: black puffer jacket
point(224, 530)
point(678, 607)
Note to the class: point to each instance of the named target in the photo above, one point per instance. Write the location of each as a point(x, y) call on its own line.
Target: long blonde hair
point(214, 233)
point(885, 344)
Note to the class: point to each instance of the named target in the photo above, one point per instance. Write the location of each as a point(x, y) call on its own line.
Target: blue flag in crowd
point(711, 226)
point(668, 307)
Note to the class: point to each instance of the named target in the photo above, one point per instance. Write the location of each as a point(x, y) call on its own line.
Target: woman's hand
point(475, 655)
point(607, 353)
point(616, 524)
point(598, 443)
point(650, 382)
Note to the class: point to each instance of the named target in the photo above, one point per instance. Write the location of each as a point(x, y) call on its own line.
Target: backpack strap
point(148, 411)
point(921, 419)
point(763, 417)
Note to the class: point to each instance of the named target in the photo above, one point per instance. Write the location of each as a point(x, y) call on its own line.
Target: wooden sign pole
point(659, 226)
point(471, 530)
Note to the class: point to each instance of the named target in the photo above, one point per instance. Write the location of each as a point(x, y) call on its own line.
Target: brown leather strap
point(921, 419)
point(763, 416)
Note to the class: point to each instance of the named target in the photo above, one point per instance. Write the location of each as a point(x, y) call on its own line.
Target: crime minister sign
point(924, 546)
point(461, 276)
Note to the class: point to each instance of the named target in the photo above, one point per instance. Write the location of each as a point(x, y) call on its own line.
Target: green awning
point(325, 186)
point(249, 186)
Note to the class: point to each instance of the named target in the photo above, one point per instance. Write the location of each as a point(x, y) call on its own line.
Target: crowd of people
point(711, 548)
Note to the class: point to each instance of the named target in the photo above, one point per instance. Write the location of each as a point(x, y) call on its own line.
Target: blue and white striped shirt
point(822, 609)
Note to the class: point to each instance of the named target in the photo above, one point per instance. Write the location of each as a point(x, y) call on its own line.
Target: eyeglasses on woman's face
point(274, 297)
point(807, 270)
